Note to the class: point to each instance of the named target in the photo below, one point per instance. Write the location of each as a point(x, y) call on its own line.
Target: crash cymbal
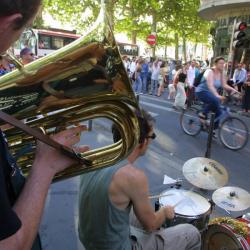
point(205, 173)
point(232, 198)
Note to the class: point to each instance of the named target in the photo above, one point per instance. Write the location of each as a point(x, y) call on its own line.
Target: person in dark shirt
point(21, 208)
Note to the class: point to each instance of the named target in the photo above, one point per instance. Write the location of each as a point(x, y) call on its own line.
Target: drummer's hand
point(169, 212)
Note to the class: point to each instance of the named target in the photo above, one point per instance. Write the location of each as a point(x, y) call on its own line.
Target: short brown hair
point(218, 58)
point(145, 124)
point(27, 8)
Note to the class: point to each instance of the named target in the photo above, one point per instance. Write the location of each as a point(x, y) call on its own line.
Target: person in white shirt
point(190, 83)
point(240, 76)
point(132, 66)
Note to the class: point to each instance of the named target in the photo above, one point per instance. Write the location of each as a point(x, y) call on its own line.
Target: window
point(44, 42)
point(57, 42)
point(68, 40)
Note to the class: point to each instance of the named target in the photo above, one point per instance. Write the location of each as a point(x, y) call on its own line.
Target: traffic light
point(239, 34)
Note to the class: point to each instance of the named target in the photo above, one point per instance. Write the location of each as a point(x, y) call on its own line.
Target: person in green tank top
point(105, 200)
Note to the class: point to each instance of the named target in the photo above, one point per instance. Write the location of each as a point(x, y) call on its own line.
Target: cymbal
point(205, 173)
point(232, 198)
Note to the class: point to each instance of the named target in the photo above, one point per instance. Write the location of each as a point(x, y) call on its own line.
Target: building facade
point(224, 12)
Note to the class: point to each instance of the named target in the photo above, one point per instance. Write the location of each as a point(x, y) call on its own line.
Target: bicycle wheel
point(233, 133)
point(190, 122)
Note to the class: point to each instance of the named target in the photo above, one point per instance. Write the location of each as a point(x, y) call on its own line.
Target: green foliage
point(137, 18)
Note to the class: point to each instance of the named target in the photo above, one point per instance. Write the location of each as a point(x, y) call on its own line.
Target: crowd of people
point(154, 76)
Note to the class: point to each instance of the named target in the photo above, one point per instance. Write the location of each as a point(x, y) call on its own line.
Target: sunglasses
point(153, 136)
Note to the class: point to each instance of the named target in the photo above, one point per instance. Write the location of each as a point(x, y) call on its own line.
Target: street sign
point(151, 39)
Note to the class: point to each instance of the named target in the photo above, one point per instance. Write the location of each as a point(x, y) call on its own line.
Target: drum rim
point(196, 193)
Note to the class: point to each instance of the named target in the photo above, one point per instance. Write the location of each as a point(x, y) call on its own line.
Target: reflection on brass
point(82, 81)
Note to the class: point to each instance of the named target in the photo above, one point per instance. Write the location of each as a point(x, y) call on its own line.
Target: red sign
point(151, 39)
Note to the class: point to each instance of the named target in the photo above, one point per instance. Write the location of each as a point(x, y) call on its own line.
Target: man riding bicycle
point(207, 91)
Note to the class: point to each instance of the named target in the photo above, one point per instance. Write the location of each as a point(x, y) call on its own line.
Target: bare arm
point(29, 206)
point(138, 193)
point(176, 78)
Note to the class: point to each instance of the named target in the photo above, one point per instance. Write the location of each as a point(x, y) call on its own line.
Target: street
point(166, 155)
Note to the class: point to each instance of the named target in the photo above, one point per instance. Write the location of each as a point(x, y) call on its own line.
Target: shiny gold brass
point(82, 81)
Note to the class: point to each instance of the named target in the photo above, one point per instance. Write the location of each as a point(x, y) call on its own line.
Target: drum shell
point(199, 221)
point(222, 236)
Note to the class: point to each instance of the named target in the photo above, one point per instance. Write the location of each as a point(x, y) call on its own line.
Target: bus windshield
point(27, 40)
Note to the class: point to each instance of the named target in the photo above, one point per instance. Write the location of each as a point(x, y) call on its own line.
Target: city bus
point(44, 41)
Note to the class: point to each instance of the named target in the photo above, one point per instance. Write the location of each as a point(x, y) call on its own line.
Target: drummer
point(107, 196)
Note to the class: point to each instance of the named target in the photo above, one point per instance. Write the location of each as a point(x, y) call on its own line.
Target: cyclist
point(208, 90)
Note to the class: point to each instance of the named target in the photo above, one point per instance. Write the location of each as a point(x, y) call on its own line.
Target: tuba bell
point(82, 81)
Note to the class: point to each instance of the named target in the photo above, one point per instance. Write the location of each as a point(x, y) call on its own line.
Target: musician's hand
point(169, 212)
point(50, 159)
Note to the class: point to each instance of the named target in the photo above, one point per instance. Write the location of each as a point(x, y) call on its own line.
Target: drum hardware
point(205, 173)
point(231, 198)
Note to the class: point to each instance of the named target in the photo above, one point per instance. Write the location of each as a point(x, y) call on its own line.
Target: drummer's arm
point(139, 195)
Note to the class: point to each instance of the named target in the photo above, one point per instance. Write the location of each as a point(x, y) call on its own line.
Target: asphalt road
point(166, 155)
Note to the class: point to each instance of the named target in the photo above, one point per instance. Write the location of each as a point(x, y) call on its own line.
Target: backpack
point(197, 79)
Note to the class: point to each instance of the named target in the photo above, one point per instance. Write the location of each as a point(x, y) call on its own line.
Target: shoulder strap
point(44, 138)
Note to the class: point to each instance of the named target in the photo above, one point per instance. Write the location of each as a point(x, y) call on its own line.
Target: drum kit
point(191, 207)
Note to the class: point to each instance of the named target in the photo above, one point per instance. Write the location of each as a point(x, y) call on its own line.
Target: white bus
point(44, 41)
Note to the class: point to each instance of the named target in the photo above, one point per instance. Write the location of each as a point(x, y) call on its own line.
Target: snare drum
point(190, 207)
point(222, 236)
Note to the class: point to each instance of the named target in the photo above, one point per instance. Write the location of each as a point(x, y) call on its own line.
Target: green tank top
point(102, 226)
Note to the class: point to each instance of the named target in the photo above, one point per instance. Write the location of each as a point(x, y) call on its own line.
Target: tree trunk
point(133, 18)
point(195, 48)
point(154, 30)
point(166, 51)
point(176, 36)
point(110, 11)
point(184, 49)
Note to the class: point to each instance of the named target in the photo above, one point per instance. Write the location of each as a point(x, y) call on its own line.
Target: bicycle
point(232, 132)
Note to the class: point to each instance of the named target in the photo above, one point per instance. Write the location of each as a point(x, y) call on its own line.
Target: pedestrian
point(155, 76)
point(22, 204)
point(162, 78)
point(246, 97)
point(144, 76)
point(137, 78)
point(239, 77)
point(181, 79)
point(27, 56)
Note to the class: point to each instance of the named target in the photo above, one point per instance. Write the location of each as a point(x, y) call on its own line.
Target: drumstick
point(159, 196)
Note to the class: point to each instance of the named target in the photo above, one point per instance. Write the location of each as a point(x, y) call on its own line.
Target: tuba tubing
point(82, 81)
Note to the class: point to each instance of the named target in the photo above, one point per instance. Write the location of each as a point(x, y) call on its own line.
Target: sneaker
point(215, 136)
point(202, 116)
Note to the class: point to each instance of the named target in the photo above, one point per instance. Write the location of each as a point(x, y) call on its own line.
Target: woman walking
point(180, 81)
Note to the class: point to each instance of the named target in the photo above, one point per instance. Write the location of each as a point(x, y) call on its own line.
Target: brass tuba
point(82, 81)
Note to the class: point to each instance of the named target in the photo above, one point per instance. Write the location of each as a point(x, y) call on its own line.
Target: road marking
point(159, 107)
point(157, 99)
point(153, 114)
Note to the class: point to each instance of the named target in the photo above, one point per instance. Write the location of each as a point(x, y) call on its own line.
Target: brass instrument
point(82, 81)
